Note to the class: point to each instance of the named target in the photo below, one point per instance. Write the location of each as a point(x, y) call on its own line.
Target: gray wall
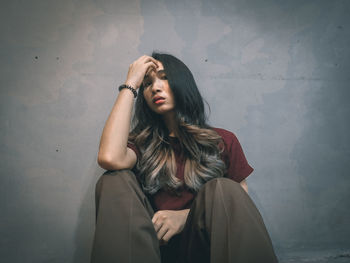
point(273, 72)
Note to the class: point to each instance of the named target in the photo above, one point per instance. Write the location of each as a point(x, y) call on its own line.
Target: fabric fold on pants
point(224, 225)
point(124, 230)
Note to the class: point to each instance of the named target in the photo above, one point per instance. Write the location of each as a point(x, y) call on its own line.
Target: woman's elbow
point(107, 162)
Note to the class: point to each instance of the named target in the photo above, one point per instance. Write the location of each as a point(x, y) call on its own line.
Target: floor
point(316, 257)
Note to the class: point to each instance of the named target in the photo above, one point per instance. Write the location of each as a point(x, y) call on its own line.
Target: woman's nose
point(157, 86)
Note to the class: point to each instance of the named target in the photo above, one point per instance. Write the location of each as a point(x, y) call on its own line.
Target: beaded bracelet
point(124, 86)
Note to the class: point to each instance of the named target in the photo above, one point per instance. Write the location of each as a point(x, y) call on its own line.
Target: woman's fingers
point(169, 234)
point(150, 66)
point(148, 58)
point(157, 225)
point(138, 69)
point(164, 232)
point(161, 232)
point(163, 225)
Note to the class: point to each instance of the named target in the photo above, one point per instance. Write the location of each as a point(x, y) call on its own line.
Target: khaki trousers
point(223, 226)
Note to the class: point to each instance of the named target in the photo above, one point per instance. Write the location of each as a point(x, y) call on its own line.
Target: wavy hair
point(201, 144)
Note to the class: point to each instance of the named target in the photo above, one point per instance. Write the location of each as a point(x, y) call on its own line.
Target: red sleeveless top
point(233, 156)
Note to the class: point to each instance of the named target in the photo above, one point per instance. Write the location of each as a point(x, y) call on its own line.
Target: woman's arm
point(113, 152)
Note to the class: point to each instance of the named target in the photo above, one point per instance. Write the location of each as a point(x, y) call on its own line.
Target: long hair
point(201, 145)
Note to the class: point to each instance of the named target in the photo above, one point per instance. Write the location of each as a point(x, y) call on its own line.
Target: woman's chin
point(162, 110)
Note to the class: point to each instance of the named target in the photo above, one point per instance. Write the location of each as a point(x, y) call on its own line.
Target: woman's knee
point(117, 177)
point(223, 184)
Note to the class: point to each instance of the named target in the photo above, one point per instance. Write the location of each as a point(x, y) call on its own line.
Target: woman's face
point(157, 92)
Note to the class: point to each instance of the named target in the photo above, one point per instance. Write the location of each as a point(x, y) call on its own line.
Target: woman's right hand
point(138, 69)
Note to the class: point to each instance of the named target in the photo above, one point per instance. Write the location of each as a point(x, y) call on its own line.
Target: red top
point(233, 156)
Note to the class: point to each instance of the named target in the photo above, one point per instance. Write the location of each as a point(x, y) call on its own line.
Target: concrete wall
point(273, 72)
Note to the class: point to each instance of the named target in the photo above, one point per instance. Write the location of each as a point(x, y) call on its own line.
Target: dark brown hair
point(201, 144)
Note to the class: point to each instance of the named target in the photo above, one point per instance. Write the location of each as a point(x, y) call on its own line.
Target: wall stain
point(346, 255)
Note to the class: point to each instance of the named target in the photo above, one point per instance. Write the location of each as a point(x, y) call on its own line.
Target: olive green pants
point(223, 226)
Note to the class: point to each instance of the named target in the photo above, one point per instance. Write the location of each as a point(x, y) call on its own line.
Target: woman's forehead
point(151, 72)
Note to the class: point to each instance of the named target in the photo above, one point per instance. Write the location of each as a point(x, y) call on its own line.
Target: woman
point(175, 190)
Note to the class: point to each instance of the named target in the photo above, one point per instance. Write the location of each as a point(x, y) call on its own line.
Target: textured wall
point(273, 72)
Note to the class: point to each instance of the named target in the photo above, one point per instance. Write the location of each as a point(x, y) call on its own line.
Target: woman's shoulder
point(226, 135)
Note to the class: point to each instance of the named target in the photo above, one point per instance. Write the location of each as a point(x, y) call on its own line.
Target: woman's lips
point(159, 101)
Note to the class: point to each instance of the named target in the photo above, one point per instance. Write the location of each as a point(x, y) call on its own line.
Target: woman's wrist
point(185, 212)
point(129, 87)
point(132, 84)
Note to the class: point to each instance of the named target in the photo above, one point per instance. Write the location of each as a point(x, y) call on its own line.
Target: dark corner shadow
point(85, 226)
point(268, 222)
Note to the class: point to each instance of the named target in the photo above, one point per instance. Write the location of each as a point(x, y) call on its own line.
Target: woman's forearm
point(185, 212)
point(113, 143)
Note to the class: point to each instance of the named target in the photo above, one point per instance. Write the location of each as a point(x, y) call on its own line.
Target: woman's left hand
point(168, 223)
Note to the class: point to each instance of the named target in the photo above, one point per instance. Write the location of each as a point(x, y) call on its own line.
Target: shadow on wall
point(85, 227)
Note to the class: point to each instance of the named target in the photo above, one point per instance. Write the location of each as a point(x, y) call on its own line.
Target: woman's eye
point(146, 84)
point(164, 77)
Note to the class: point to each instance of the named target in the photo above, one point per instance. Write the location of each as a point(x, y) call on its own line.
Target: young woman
point(175, 189)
